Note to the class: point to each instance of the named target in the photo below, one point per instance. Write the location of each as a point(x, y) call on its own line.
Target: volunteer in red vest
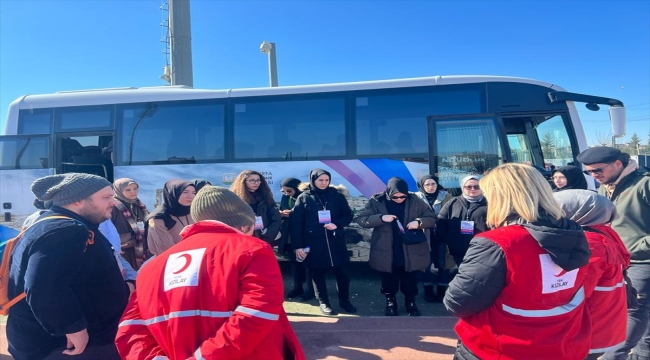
point(608, 303)
point(217, 294)
point(520, 290)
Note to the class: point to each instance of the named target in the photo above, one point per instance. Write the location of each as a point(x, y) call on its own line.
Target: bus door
point(464, 145)
point(90, 153)
point(544, 141)
point(23, 159)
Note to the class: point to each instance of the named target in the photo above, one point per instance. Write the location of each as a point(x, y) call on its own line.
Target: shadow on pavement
point(373, 338)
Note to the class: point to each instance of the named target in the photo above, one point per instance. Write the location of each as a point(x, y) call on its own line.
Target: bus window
point(171, 132)
point(37, 121)
point(24, 153)
point(84, 118)
point(465, 147)
point(393, 124)
point(555, 142)
point(298, 129)
point(520, 148)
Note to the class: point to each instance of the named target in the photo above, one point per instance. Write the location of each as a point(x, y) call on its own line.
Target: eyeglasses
point(472, 187)
point(398, 197)
point(254, 181)
point(597, 171)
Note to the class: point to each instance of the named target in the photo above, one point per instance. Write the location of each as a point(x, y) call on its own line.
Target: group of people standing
point(539, 274)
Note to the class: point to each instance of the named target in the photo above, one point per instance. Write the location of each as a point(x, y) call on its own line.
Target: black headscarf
point(395, 185)
point(170, 206)
point(315, 174)
point(575, 179)
point(200, 183)
point(292, 183)
point(430, 196)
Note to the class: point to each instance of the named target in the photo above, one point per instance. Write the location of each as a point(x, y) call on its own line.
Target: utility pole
point(180, 39)
point(269, 49)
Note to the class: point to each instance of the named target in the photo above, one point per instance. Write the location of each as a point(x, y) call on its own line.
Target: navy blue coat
point(70, 284)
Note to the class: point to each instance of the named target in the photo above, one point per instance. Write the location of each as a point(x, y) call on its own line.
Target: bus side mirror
point(617, 116)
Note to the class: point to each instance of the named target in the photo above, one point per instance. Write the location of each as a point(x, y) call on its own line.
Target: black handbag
point(412, 237)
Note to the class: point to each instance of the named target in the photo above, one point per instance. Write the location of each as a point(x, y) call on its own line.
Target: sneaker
point(295, 292)
point(326, 309)
point(347, 306)
point(308, 295)
point(411, 308)
point(391, 306)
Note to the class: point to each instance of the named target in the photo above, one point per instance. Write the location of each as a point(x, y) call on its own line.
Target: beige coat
point(159, 238)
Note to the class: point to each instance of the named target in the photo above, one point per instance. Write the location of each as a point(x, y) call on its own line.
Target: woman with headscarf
point(128, 217)
point(389, 214)
point(299, 274)
point(520, 290)
point(251, 186)
point(462, 218)
point(200, 183)
point(569, 177)
point(435, 195)
point(163, 226)
point(318, 222)
point(609, 258)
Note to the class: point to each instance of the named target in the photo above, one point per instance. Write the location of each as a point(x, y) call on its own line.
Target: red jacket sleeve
point(260, 298)
point(133, 340)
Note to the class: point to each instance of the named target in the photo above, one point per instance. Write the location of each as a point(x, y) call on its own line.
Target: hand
point(76, 342)
point(388, 218)
point(330, 226)
point(301, 254)
point(285, 213)
point(413, 225)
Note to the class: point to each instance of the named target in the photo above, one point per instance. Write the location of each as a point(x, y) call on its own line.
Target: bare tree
point(604, 139)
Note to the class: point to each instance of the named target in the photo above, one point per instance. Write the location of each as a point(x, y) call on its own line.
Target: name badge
point(467, 227)
point(259, 224)
point(324, 217)
point(140, 225)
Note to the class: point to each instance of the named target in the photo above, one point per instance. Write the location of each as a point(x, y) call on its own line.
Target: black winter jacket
point(71, 285)
point(328, 247)
point(271, 219)
point(448, 226)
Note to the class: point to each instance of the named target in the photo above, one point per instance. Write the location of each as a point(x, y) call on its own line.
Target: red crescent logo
point(561, 273)
point(188, 261)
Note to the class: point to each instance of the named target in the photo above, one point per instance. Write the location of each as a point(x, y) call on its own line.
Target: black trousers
point(300, 275)
point(320, 285)
point(399, 279)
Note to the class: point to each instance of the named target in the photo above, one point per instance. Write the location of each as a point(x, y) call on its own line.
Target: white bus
point(362, 132)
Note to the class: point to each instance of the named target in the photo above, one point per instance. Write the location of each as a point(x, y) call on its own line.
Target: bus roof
point(166, 93)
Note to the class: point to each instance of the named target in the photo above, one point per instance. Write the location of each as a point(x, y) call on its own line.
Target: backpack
point(6, 251)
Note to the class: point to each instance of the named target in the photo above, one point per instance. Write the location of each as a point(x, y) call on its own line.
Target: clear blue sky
point(595, 47)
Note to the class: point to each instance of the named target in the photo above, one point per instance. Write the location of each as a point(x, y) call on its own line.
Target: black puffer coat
point(328, 247)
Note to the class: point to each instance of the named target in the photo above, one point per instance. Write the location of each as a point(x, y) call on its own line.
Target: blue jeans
point(638, 320)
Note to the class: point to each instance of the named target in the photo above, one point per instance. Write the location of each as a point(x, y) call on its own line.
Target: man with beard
point(75, 292)
point(628, 187)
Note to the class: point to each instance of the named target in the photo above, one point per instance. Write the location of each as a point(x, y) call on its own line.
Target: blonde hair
point(517, 191)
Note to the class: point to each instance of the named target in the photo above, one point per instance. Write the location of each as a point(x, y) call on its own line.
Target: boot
point(429, 296)
point(391, 305)
point(295, 292)
point(411, 308)
point(346, 305)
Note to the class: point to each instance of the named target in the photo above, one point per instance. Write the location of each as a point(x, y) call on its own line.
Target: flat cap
point(599, 154)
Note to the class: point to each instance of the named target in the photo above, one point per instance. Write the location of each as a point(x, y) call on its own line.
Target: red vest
point(607, 303)
point(541, 312)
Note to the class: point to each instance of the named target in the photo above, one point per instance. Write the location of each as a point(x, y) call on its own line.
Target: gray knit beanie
point(221, 204)
point(64, 189)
